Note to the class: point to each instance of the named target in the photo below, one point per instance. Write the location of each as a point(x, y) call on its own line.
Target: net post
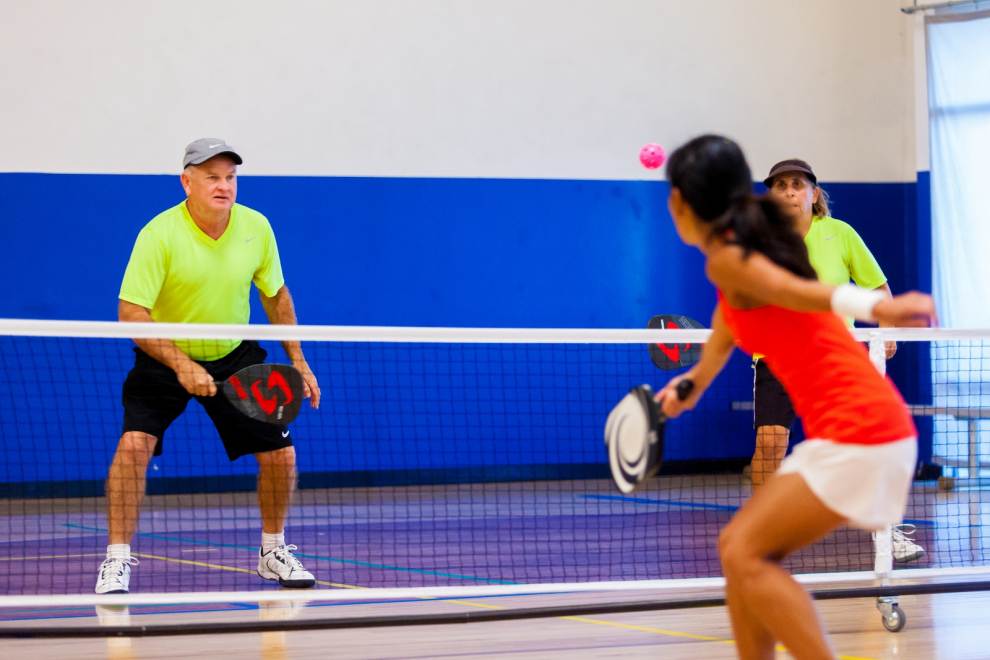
point(883, 560)
point(878, 354)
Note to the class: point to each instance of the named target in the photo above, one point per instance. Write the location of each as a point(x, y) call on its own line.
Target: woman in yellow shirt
point(838, 255)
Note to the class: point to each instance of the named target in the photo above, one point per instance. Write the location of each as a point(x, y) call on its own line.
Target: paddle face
point(269, 393)
point(673, 356)
point(634, 436)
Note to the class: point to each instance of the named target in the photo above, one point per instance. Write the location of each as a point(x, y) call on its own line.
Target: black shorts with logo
point(771, 405)
point(154, 398)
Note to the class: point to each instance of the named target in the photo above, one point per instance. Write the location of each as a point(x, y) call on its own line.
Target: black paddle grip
point(684, 388)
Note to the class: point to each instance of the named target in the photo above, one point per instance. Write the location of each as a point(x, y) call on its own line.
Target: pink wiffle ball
point(652, 156)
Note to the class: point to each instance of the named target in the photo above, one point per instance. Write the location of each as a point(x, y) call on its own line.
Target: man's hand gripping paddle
point(269, 393)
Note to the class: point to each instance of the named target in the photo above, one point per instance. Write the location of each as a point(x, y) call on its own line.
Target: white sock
point(271, 541)
point(119, 551)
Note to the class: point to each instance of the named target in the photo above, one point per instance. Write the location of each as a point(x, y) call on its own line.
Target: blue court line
point(705, 505)
point(351, 562)
point(645, 500)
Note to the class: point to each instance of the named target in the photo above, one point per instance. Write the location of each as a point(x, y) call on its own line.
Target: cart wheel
point(895, 621)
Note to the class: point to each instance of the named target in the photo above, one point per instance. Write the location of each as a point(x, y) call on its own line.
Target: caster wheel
point(946, 483)
point(895, 621)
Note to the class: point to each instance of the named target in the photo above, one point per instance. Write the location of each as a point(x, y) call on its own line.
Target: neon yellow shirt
point(838, 254)
point(184, 276)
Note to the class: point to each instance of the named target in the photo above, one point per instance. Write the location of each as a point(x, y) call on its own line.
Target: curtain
point(959, 115)
point(959, 112)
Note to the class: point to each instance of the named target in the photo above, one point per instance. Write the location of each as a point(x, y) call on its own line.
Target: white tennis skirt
point(866, 484)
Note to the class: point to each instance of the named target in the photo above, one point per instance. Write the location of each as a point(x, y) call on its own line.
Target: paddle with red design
point(269, 393)
point(674, 356)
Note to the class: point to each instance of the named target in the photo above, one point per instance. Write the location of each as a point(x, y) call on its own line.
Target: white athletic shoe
point(280, 564)
point(115, 575)
point(905, 549)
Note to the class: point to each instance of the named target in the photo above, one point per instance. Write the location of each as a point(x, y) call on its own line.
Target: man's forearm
point(163, 350)
point(281, 311)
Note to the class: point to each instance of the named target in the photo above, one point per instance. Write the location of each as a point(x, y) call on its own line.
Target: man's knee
point(277, 459)
point(135, 448)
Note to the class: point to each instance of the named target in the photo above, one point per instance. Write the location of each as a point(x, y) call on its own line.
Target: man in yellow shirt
point(838, 255)
point(195, 263)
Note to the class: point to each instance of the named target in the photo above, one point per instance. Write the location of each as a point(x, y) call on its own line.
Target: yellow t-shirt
point(838, 254)
point(184, 276)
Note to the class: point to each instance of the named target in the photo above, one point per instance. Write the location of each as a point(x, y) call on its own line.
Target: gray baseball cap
point(203, 149)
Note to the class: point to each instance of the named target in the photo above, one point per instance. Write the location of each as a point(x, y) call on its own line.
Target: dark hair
point(713, 177)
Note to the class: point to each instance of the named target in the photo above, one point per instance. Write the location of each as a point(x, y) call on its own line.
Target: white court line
point(862, 578)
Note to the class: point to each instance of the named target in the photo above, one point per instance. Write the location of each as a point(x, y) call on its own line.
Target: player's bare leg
point(126, 484)
point(276, 484)
point(771, 446)
point(782, 517)
point(125, 491)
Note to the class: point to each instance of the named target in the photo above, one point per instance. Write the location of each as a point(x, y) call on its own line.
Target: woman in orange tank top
point(857, 464)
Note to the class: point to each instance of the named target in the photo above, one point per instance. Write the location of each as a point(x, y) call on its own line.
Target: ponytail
point(757, 225)
point(714, 178)
point(820, 209)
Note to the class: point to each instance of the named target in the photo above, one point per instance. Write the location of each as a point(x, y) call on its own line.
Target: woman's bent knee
point(736, 554)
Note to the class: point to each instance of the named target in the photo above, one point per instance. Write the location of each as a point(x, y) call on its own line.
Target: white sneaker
point(115, 575)
point(280, 564)
point(905, 549)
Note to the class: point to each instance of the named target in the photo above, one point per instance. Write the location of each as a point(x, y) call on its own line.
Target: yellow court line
point(676, 633)
point(482, 606)
point(649, 629)
point(237, 569)
point(232, 569)
point(578, 619)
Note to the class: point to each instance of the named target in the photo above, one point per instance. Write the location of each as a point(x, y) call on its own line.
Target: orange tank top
point(834, 387)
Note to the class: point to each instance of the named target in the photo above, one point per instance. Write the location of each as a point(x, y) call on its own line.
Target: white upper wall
point(456, 88)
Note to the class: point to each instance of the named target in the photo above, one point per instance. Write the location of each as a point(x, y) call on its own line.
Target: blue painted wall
point(374, 251)
point(470, 252)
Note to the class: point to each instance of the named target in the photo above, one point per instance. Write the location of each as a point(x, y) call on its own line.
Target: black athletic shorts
point(153, 399)
point(771, 405)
